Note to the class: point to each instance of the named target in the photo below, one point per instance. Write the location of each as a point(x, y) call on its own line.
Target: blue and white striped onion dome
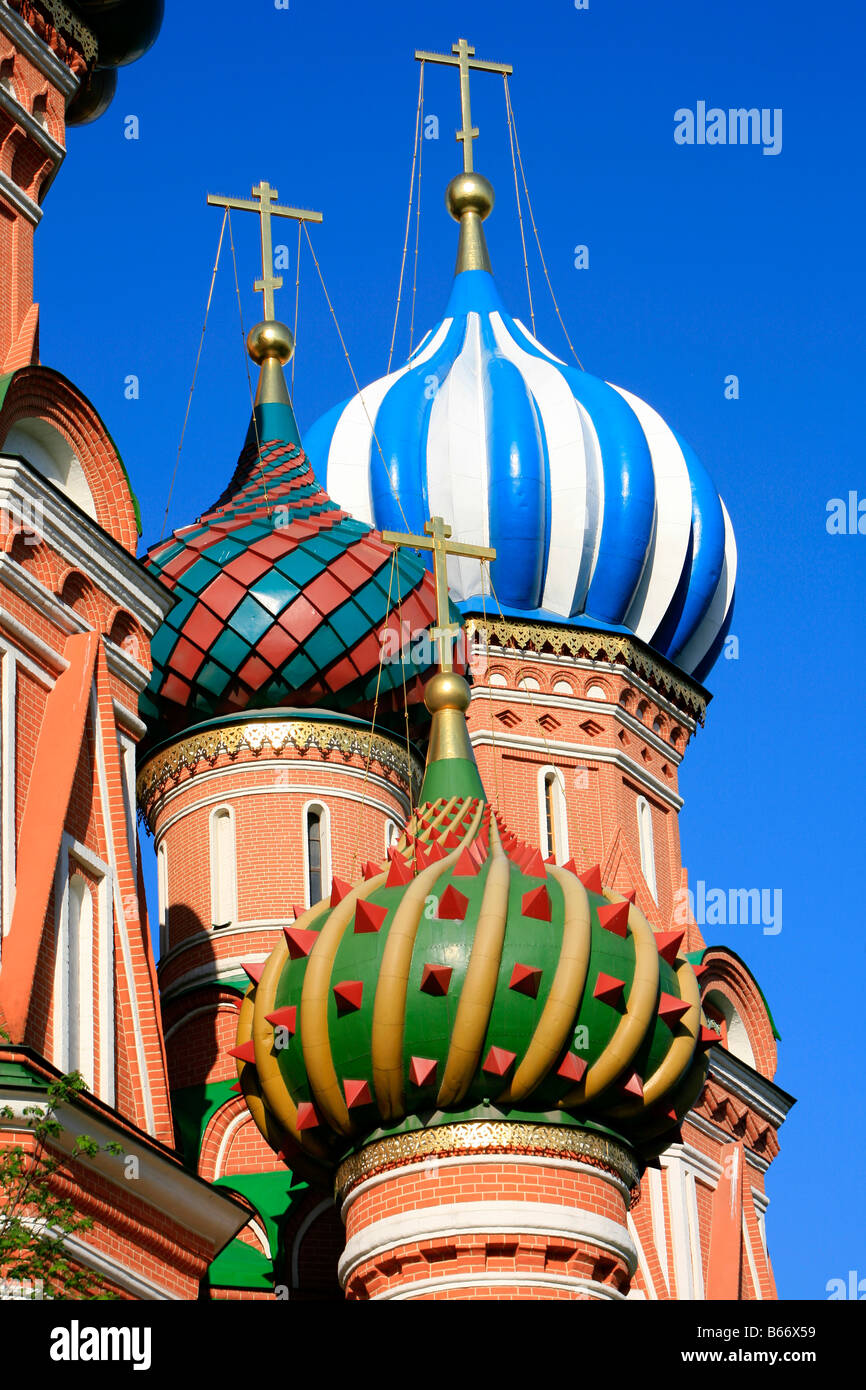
point(600, 514)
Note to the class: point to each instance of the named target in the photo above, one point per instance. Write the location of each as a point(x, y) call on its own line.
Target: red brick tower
point(77, 611)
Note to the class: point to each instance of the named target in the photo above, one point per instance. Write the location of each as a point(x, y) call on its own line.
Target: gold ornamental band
point(610, 646)
point(68, 23)
point(489, 1137)
point(298, 734)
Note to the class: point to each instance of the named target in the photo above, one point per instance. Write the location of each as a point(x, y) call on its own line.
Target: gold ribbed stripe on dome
point(609, 646)
point(489, 1137)
point(300, 734)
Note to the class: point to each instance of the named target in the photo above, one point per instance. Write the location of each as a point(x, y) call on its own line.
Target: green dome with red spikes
point(466, 978)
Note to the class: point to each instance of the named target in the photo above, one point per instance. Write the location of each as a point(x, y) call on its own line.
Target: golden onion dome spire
point(469, 197)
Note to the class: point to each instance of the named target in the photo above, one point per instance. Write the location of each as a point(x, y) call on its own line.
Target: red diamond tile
point(300, 618)
point(186, 659)
point(255, 672)
point(276, 646)
point(223, 595)
point(274, 545)
point(246, 568)
point(173, 688)
point(326, 592)
point(202, 628)
point(349, 572)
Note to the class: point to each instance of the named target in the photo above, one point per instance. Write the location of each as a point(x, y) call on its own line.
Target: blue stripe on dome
point(317, 441)
point(518, 478)
point(708, 552)
point(629, 488)
point(402, 424)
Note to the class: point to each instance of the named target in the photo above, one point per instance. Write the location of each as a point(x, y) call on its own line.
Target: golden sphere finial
point(447, 690)
point(270, 339)
point(469, 193)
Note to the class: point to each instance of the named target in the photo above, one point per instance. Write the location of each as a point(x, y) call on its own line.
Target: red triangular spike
point(573, 1068)
point(668, 944)
point(699, 970)
point(591, 879)
point(551, 859)
point(525, 979)
point(452, 905)
point(348, 994)
point(634, 1086)
point(299, 942)
point(533, 864)
point(254, 971)
point(609, 989)
point(631, 896)
point(709, 1037)
point(614, 917)
point(357, 1093)
point(421, 857)
point(237, 1088)
point(437, 852)
point(451, 841)
point(339, 889)
point(536, 903)
point(435, 979)
point(287, 1018)
point(672, 1009)
point(369, 916)
point(422, 1071)
point(498, 1061)
point(671, 1115)
point(308, 1116)
point(245, 1053)
point(298, 911)
point(371, 870)
point(400, 873)
point(467, 864)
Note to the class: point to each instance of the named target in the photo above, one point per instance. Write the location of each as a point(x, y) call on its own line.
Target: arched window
point(162, 896)
point(647, 848)
point(317, 852)
point(223, 868)
point(552, 815)
point(392, 834)
point(78, 981)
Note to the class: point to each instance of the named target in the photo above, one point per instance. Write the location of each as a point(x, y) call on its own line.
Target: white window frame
point(560, 813)
point(162, 896)
point(392, 833)
point(218, 889)
point(327, 872)
point(646, 844)
point(93, 998)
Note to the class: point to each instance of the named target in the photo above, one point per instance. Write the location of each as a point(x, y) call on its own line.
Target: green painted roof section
point(449, 777)
point(239, 1265)
point(696, 958)
point(193, 1107)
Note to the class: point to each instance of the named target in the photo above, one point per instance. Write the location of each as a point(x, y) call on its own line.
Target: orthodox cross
point(266, 206)
point(464, 60)
point(436, 538)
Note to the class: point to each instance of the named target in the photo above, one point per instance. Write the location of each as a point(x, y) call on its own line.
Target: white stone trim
point(418, 1287)
point(302, 786)
point(181, 1022)
point(236, 1122)
point(207, 937)
point(577, 704)
point(763, 1095)
point(20, 201)
point(643, 1264)
point(320, 808)
point(162, 1181)
point(656, 1198)
point(30, 642)
point(87, 1255)
point(721, 1136)
point(215, 973)
point(84, 545)
point(8, 848)
point(121, 664)
point(486, 1218)
point(750, 1256)
point(432, 1166)
point(19, 115)
point(222, 866)
point(131, 722)
point(94, 986)
point(587, 752)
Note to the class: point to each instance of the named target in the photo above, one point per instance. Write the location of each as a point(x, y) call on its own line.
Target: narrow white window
point(317, 852)
point(552, 814)
point(79, 980)
point(162, 897)
point(647, 849)
point(392, 834)
point(223, 873)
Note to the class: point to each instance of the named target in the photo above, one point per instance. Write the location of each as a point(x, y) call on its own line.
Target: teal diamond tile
point(250, 620)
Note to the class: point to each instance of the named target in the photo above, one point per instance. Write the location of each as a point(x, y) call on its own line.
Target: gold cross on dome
point(436, 538)
point(266, 206)
point(466, 61)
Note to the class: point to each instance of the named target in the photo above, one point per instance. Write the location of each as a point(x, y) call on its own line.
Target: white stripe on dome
point(353, 452)
point(710, 625)
point(458, 478)
point(576, 483)
point(541, 348)
point(672, 525)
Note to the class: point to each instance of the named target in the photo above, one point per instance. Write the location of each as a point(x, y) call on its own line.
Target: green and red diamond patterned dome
point(281, 597)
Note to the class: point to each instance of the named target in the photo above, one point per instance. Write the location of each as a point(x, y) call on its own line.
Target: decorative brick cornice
point(345, 740)
point(614, 647)
point(473, 1137)
point(59, 27)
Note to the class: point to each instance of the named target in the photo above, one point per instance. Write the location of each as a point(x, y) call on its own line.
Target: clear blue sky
point(704, 261)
